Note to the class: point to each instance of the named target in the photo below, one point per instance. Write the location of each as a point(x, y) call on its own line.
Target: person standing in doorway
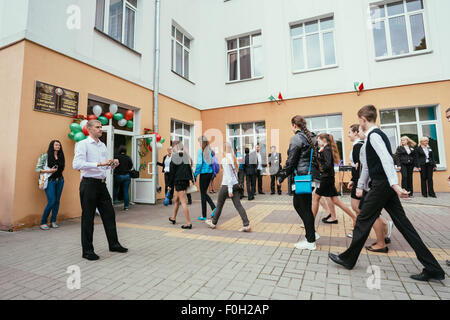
point(250, 173)
point(405, 158)
point(122, 177)
point(378, 166)
point(91, 157)
point(259, 168)
point(274, 169)
point(55, 163)
point(241, 173)
point(204, 170)
point(426, 165)
point(165, 164)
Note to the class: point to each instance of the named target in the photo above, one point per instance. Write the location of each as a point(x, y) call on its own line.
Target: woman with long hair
point(328, 156)
point(180, 176)
point(405, 158)
point(426, 165)
point(230, 189)
point(299, 159)
point(205, 171)
point(53, 163)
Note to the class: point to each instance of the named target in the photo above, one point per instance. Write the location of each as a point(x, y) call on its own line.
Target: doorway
point(126, 141)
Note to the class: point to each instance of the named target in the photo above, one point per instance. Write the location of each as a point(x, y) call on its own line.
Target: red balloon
point(92, 117)
point(150, 148)
point(86, 133)
point(158, 137)
point(109, 115)
point(129, 115)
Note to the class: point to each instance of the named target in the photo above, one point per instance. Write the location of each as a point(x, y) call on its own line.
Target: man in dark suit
point(250, 164)
point(274, 168)
point(261, 163)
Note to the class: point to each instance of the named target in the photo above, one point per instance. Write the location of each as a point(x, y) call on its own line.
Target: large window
point(245, 57)
point(398, 28)
point(180, 131)
point(313, 44)
point(247, 135)
point(415, 123)
point(181, 49)
point(331, 124)
point(118, 19)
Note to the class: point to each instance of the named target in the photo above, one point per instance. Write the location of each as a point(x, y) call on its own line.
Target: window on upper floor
point(181, 50)
point(245, 57)
point(313, 44)
point(117, 18)
point(398, 28)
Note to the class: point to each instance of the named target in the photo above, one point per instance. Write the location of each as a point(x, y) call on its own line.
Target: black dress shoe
point(433, 196)
point(186, 226)
point(382, 250)
point(173, 221)
point(261, 192)
point(327, 217)
point(330, 222)
point(90, 256)
point(335, 258)
point(272, 193)
point(425, 276)
point(447, 262)
point(118, 248)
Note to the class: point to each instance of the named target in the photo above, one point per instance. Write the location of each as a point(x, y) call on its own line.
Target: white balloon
point(83, 123)
point(122, 122)
point(97, 110)
point(159, 145)
point(113, 108)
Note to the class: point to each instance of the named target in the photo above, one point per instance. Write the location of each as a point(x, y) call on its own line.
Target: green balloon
point(118, 116)
point(75, 127)
point(129, 124)
point(103, 120)
point(149, 140)
point(79, 136)
point(71, 135)
point(162, 140)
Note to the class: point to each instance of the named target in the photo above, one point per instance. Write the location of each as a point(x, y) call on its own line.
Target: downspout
point(156, 80)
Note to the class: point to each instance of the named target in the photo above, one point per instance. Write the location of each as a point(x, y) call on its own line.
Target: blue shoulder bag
point(303, 184)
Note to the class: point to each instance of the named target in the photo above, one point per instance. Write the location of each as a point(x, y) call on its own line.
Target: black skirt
point(327, 188)
point(181, 185)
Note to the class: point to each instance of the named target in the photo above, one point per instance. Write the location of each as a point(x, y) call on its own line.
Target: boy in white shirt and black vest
point(378, 166)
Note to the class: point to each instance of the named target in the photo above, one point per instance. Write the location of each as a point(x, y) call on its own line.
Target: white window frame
point(252, 58)
point(242, 135)
point(174, 41)
point(126, 4)
point(407, 16)
point(304, 35)
point(419, 123)
point(329, 129)
point(174, 135)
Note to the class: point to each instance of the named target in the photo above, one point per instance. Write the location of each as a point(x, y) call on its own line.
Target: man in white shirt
point(259, 169)
point(91, 157)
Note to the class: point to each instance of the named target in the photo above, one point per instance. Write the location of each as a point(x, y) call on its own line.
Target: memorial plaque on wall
point(54, 99)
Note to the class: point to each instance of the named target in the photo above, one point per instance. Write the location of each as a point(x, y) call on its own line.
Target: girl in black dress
point(405, 158)
point(328, 156)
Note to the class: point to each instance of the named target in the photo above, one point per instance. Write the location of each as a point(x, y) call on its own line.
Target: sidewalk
point(166, 262)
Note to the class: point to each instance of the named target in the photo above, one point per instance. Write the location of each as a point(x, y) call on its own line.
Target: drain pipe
point(156, 79)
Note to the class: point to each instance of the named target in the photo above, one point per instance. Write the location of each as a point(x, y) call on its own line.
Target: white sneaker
point(245, 229)
point(390, 225)
point(54, 225)
point(305, 245)
point(350, 235)
point(210, 224)
point(317, 236)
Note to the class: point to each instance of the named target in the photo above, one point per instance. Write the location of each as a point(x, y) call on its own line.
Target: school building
point(209, 67)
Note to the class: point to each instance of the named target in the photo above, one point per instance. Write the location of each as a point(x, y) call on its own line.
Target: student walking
point(405, 158)
point(204, 170)
point(250, 173)
point(378, 166)
point(274, 169)
point(180, 177)
point(230, 189)
point(426, 164)
point(52, 164)
point(122, 177)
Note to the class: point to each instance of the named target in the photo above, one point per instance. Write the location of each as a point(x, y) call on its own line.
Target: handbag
point(134, 174)
point(192, 188)
point(239, 188)
point(303, 184)
point(43, 177)
point(167, 199)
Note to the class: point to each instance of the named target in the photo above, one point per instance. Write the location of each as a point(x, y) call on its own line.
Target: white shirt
point(229, 177)
point(88, 154)
point(259, 162)
point(386, 160)
point(167, 163)
point(427, 153)
point(408, 150)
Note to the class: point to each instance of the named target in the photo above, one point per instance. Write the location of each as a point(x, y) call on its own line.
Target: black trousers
point(380, 196)
point(273, 182)
point(407, 177)
point(251, 186)
point(94, 194)
point(426, 180)
point(205, 179)
point(223, 195)
point(303, 205)
point(259, 177)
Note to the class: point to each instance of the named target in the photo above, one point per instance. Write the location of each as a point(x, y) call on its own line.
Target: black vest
point(376, 171)
point(356, 160)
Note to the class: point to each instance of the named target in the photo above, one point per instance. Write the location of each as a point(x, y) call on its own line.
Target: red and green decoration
point(78, 131)
point(359, 87)
point(280, 98)
point(122, 119)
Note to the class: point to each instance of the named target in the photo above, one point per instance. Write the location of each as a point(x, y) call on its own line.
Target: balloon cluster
point(122, 120)
point(78, 131)
point(159, 140)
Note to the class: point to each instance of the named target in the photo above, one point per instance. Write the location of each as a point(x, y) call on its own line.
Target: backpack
point(215, 166)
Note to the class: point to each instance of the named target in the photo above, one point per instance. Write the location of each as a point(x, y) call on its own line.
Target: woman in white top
point(230, 189)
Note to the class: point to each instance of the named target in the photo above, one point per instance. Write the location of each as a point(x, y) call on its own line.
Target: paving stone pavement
point(166, 262)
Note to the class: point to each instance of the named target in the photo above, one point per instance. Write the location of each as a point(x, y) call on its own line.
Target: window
point(118, 19)
point(313, 44)
point(248, 134)
point(331, 124)
point(181, 48)
point(244, 56)
point(180, 131)
point(415, 123)
point(398, 28)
